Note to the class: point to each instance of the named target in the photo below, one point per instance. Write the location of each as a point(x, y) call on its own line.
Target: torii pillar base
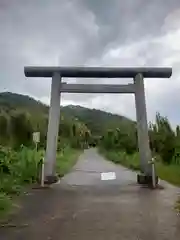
point(51, 179)
point(144, 179)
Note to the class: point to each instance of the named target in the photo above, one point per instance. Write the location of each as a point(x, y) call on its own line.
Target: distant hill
point(96, 120)
point(10, 101)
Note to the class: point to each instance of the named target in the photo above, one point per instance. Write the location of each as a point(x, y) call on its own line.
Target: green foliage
point(121, 139)
point(20, 116)
point(15, 129)
point(13, 101)
point(117, 136)
point(170, 173)
point(5, 204)
point(3, 127)
point(120, 157)
point(120, 146)
point(82, 126)
point(17, 168)
point(66, 159)
point(96, 120)
point(20, 129)
point(164, 141)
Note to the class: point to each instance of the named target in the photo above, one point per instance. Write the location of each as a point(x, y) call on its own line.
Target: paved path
point(83, 207)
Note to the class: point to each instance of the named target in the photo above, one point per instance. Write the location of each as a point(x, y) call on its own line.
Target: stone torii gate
point(136, 88)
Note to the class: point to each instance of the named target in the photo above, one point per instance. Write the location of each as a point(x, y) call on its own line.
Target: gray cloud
point(96, 32)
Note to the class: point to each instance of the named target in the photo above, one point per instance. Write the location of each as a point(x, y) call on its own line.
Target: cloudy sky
point(95, 33)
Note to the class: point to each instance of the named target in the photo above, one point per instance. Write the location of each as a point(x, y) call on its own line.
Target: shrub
point(5, 204)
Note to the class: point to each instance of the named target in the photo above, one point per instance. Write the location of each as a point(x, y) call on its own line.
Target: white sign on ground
point(108, 176)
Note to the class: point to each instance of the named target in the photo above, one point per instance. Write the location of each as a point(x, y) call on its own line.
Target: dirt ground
point(82, 206)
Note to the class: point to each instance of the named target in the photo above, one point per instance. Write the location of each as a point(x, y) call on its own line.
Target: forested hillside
point(96, 120)
point(11, 101)
point(23, 112)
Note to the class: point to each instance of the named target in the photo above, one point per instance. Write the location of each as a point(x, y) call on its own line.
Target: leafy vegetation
point(116, 136)
point(96, 120)
point(66, 159)
point(20, 116)
point(120, 157)
point(120, 146)
point(17, 168)
point(5, 204)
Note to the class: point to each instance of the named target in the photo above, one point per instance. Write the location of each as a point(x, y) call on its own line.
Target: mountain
point(96, 120)
point(10, 101)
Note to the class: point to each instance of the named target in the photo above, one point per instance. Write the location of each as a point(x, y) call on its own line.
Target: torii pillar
point(142, 129)
point(53, 128)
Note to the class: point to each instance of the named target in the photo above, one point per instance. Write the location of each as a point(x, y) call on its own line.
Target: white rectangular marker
point(108, 176)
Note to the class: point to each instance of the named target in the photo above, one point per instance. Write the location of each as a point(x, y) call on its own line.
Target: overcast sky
point(95, 33)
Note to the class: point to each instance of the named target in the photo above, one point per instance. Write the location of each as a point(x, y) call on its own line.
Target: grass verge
point(5, 204)
point(20, 169)
point(66, 160)
point(169, 173)
point(129, 161)
point(17, 169)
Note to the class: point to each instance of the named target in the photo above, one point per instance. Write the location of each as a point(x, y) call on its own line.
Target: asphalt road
point(84, 207)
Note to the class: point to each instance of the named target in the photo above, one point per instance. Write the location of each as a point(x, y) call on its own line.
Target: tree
point(3, 129)
point(20, 129)
point(162, 138)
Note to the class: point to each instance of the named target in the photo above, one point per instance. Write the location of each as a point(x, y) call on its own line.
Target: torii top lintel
point(98, 72)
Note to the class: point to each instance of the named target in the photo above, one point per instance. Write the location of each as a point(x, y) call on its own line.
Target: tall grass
point(168, 172)
point(66, 158)
point(17, 168)
point(5, 204)
point(118, 157)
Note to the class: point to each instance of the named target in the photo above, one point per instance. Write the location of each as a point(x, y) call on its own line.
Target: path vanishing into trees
point(84, 207)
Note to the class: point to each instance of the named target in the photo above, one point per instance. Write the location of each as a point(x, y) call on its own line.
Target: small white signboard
point(108, 176)
point(36, 137)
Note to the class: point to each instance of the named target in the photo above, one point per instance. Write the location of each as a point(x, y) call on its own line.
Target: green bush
point(66, 159)
point(118, 157)
point(18, 168)
point(21, 129)
point(5, 204)
point(164, 141)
